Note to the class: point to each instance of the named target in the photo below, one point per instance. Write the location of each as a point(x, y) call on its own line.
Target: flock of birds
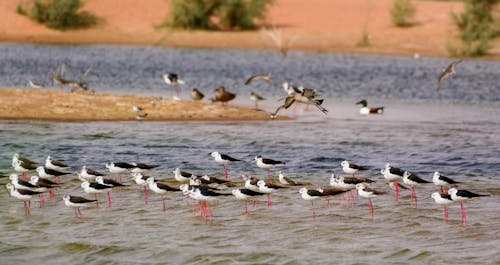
point(295, 94)
point(205, 189)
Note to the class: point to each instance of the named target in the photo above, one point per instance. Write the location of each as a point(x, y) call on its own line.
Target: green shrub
point(401, 12)
point(216, 14)
point(476, 27)
point(58, 14)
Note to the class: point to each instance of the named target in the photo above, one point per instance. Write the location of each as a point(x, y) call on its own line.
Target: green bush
point(476, 27)
point(58, 14)
point(401, 12)
point(216, 14)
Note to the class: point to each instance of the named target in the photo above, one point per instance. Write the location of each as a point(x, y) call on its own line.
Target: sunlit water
point(454, 132)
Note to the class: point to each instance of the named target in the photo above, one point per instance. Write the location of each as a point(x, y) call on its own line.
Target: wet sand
point(24, 104)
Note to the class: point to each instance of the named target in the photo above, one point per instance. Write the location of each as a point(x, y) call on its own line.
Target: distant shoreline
point(51, 105)
point(324, 26)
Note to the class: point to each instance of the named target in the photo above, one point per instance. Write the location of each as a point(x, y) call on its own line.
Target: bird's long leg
point(329, 207)
point(109, 199)
point(246, 207)
point(24, 176)
point(177, 90)
point(225, 172)
point(445, 212)
point(210, 210)
point(51, 194)
point(76, 213)
point(464, 215)
point(163, 202)
point(268, 175)
point(79, 213)
point(370, 207)
point(396, 187)
point(145, 195)
point(96, 201)
point(269, 202)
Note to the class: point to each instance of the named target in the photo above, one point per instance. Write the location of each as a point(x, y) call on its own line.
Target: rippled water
point(455, 132)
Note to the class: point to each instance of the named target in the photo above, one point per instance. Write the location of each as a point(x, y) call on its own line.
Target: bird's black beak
point(359, 102)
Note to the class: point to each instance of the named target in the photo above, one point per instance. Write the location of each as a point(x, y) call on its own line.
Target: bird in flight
point(449, 70)
point(264, 76)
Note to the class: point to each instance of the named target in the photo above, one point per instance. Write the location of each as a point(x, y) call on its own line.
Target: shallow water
point(455, 132)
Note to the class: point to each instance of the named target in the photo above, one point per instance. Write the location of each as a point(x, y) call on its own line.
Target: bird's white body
point(179, 177)
point(363, 193)
point(50, 165)
point(86, 187)
point(440, 200)
point(340, 184)
point(115, 170)
point(14, 193)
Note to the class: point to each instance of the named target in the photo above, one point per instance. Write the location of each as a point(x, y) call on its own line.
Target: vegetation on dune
point(216, 14)
point(477, 28)
point(57, 14)
point(401, 12)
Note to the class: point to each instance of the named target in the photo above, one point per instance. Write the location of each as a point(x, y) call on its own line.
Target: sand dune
point(332, 25)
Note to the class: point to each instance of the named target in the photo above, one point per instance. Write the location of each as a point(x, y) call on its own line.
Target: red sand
point(333, 25)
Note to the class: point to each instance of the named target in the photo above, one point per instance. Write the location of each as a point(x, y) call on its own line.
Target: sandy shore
point(322, 25)
point(24, 104)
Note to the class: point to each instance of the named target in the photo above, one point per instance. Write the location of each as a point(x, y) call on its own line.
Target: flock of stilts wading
point(205, 189)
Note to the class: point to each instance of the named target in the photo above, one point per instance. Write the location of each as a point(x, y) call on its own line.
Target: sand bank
point(24, 104)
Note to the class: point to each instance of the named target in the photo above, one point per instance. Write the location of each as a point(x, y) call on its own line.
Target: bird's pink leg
point(76, 213)
point(40, 198)
point(210, 210)
point(163, 201)
point(145, 195)
point(370, 207)
point(269, 202)
point(51, 194)
point(464, 215)
point(246, 207)
point(79, 213)
point(268, 175)
point(445, 212)
point(329, 207)
point(396, 187)
point(24, 176)
point(109, 199)
point(225, 172)
point(177, 90)
point(96, 201)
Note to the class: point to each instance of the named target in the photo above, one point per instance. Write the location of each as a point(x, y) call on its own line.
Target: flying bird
point(449, 70)
point(307, 97)
point(264, 76)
